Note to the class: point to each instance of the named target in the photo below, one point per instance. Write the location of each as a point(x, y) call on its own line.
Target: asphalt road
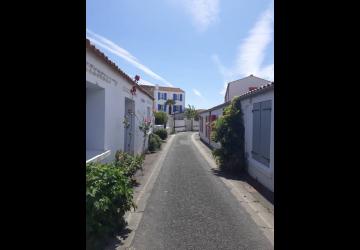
point(190, 208)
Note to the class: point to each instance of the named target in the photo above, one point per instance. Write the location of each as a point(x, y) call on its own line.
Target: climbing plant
point(230, 132)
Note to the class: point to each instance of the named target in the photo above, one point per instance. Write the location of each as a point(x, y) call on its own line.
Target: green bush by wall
point(162, 133)
point(229, 130)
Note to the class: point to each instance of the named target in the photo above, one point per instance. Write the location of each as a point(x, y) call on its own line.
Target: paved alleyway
point(189, 208)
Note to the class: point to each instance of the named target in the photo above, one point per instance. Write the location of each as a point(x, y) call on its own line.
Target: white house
point(162, 94)
point(258, 109)
point(243, 85)
point(113, 111)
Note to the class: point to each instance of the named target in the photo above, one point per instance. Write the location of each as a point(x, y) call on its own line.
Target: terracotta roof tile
point(115, 67)
point(171, 89)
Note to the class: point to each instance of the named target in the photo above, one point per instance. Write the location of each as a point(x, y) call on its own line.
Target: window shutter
point(265, 132)
point(256, 132)
point(180, 97)
point(180, 107)
point(158, 95)
point(159, 107)
point(174, 97)
point(165, 96)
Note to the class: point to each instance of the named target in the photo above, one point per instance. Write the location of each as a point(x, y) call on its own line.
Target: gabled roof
point(254, 78)
point(169, 89)
point(110, 63)
point(249, 93)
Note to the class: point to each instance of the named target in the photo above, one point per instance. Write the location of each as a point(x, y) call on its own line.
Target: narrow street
point(190, 208)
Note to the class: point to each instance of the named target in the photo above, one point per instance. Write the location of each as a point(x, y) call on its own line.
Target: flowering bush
point(109, 195)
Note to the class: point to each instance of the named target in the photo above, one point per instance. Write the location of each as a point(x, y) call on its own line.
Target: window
point(177, 108)
point(161, 107)
point(177, 97)
point(261, 132)
point(162, 96)
point(201, 124)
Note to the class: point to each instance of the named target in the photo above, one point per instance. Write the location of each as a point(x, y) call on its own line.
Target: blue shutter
point(180, 106)
point(165, 96)
point(165, 106)
point(265, 132)
point(180, 99)
point(159, 107)
point(158, 95)
point(174, 97)
point(256, 132)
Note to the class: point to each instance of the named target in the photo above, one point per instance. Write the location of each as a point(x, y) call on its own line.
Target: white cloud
point(117, 50)
point(197, 92)
point(203, 12)
point(251, 52)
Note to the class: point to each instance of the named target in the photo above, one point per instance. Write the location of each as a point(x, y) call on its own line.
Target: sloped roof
point(149, 89)
point(254, 78)
point(169, 89)
point(249, 93)
point(102, 56)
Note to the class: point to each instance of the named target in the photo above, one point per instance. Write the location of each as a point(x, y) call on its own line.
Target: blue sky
point(197, 45)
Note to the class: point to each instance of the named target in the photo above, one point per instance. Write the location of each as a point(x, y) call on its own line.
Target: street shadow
point(245, 177)
point(114, 242)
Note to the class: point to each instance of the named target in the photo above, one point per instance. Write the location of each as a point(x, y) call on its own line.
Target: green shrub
point(127, 163)
point(154, 142)
point(162, 133)
point(109, 195)
point(160, 118)
point(230, 132)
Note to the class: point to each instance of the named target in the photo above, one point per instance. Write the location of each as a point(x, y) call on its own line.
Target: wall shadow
point(265, 192)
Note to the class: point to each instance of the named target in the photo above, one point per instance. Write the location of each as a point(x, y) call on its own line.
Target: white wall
point(257, 170)
point(169, 96)
point(116, 88)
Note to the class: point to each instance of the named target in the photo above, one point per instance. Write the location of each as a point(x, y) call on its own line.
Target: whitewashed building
point(241, 86)
point(162, 94)
point(113, 112)
point(258, 110)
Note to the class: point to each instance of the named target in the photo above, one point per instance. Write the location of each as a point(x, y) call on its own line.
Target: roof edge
point(115, 67)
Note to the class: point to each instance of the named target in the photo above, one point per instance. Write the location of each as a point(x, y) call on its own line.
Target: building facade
point(162, 94)
point(115, 108)
point(242, 86)
point(258, 114)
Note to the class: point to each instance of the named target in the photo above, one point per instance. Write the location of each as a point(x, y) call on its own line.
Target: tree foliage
point(230, 132)
point(160, 118)
point(190, 112)
point(170, 103)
